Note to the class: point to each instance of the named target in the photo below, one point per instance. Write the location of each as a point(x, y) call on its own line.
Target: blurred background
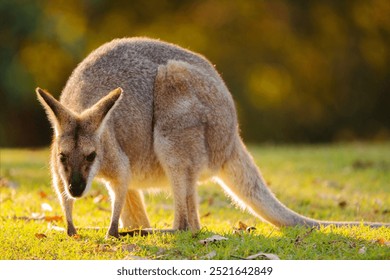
point(299, 71)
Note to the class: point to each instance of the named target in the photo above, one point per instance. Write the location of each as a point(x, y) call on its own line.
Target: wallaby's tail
point(242, 180)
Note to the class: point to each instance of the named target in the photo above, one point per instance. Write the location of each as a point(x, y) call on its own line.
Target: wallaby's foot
point(112, 232)
point(71, 230)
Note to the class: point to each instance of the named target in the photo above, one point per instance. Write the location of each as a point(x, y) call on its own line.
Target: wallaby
point(169, 119)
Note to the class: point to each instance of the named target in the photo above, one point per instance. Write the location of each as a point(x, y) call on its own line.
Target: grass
point(335, 182)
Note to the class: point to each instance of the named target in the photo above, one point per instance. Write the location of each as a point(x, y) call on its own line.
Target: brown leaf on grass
point(42, 194)
point(243, 227)
point(362, 164)
point(343, 204)
point(212, 239)
point(53, 218)
point(129, 247)
point(382, 241)
point(76, 236)
point(105, 248)
point(206, 215)
point(262, 255)
point(40, 235)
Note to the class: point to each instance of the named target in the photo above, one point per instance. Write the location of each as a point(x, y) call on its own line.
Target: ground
point(332, 182)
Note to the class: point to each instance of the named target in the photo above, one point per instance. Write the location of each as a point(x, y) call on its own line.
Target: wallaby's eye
point(91, 157)
point(63, 158)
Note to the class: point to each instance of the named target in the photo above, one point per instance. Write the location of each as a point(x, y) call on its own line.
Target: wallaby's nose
point(77, 185)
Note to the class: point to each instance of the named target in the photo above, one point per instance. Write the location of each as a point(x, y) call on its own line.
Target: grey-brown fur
point(174, 124)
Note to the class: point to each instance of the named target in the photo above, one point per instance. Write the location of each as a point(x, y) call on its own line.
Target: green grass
point(334, 182)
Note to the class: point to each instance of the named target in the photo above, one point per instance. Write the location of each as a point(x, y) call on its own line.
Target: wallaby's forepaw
point(71, 231)
point(112, 233)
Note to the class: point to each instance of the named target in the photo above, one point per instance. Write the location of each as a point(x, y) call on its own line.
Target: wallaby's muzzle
point(77, 185)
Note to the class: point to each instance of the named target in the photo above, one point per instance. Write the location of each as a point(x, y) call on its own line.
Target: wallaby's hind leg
point(182, 162)
point(180, 136)
point(133, 214)
point(185, 199)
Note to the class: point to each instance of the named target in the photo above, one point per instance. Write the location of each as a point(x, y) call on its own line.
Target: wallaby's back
point(133, 64)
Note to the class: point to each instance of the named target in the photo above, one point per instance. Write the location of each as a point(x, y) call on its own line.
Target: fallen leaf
point(46, 207)
point(40, 235)
point(42, 194)
point(206, 215)
point(382, 241)
point(129, 247)
point(210, 255)
point(212, 239)
point(263, 256)
point(242, 226)
point(343, 204)
point(53, 218)
point(105, 248)
point(362, 164)
point(76, 236)
point(362, 250)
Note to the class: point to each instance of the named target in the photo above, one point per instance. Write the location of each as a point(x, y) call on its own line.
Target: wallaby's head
point(76, 147)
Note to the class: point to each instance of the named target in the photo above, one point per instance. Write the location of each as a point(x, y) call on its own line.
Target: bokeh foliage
point(305, 71)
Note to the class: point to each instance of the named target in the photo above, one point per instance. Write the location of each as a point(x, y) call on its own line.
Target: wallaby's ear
point(57, 114)
point(97, 114)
